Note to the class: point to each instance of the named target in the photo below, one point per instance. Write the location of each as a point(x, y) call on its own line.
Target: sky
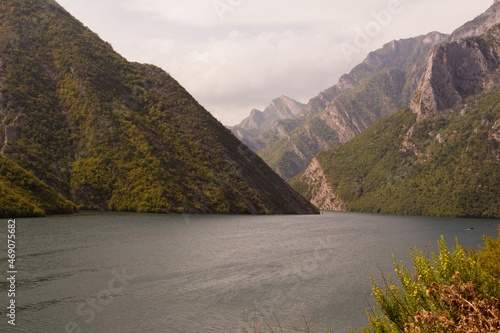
point(237, 55)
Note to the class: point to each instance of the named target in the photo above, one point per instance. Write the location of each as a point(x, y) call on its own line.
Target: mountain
point(457, 70)
point(440, 157)
point(383, 83)
point(25, 195)
point(280, 108)
point(253, 129)
point(480, 25)
point(108, 134)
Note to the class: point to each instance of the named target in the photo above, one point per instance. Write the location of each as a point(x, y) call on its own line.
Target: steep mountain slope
point(255, 129)
point(442, 157)
point(379, 86)
point(382, 84)
point(25, 195)
point(480, 25)
point(109, 134)
point(457, 70)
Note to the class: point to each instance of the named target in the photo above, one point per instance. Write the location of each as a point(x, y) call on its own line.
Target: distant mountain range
point(382, 84)
point(81, 127)
point(253, 130)
point(441, 155)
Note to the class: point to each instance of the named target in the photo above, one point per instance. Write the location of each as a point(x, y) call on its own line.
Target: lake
point(111, 272)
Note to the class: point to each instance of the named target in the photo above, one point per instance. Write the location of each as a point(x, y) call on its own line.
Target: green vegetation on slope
point(439, 167)
point(455, 290)
point(114, 135)
point(376, 88)
point(377, 96)
point(25, 195)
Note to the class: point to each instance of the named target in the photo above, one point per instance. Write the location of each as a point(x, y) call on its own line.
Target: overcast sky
point(236, 55)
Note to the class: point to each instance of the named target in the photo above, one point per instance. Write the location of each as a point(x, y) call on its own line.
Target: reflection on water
point(105, 272)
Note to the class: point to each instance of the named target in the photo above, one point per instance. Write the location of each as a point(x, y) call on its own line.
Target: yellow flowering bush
point(455, 290)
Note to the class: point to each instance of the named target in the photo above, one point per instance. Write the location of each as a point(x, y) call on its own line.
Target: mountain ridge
point(480, 25)
point(441, 157)
point(339, 121)
point(381, 84)
point(457, 70)
point(253, 129)
point(113, 135)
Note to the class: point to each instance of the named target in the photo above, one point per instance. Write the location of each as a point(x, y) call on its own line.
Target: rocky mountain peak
point(254, 121)
point(383, 83)
point(285, 107)
point(435, 38)
point(457, 70)
point(282, 107)
point(480, 25)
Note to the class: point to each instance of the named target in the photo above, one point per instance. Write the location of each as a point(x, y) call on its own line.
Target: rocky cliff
point(319, 191)
point(457, 70)
point(263, 126)
point(379, 86)
point(384, 82)
point(440, 166)
point(441, 156)
point(480, 25)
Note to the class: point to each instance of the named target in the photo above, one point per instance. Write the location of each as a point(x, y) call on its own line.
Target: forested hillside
point(448, 166)
point(25, 195)
point(113, 135)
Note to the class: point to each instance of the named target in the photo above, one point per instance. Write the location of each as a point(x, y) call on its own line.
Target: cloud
point(209, 13)
point(235, 55)
point(250, 68)
point(191, 12)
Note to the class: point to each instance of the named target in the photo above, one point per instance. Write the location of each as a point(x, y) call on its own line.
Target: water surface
point(108, 272)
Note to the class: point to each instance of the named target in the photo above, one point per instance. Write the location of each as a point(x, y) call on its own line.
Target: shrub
point(455, 290)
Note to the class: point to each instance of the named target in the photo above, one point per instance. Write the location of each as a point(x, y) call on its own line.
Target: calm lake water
point(106, 272)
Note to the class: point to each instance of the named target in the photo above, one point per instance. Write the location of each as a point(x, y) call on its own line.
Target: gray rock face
point(253, 129)
point(401, 73)
point(383, 83)
point(480, 25)
point(322, 193)
point(457, 70)
point(256, 119)
point(454, 69)
point(280, 108)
